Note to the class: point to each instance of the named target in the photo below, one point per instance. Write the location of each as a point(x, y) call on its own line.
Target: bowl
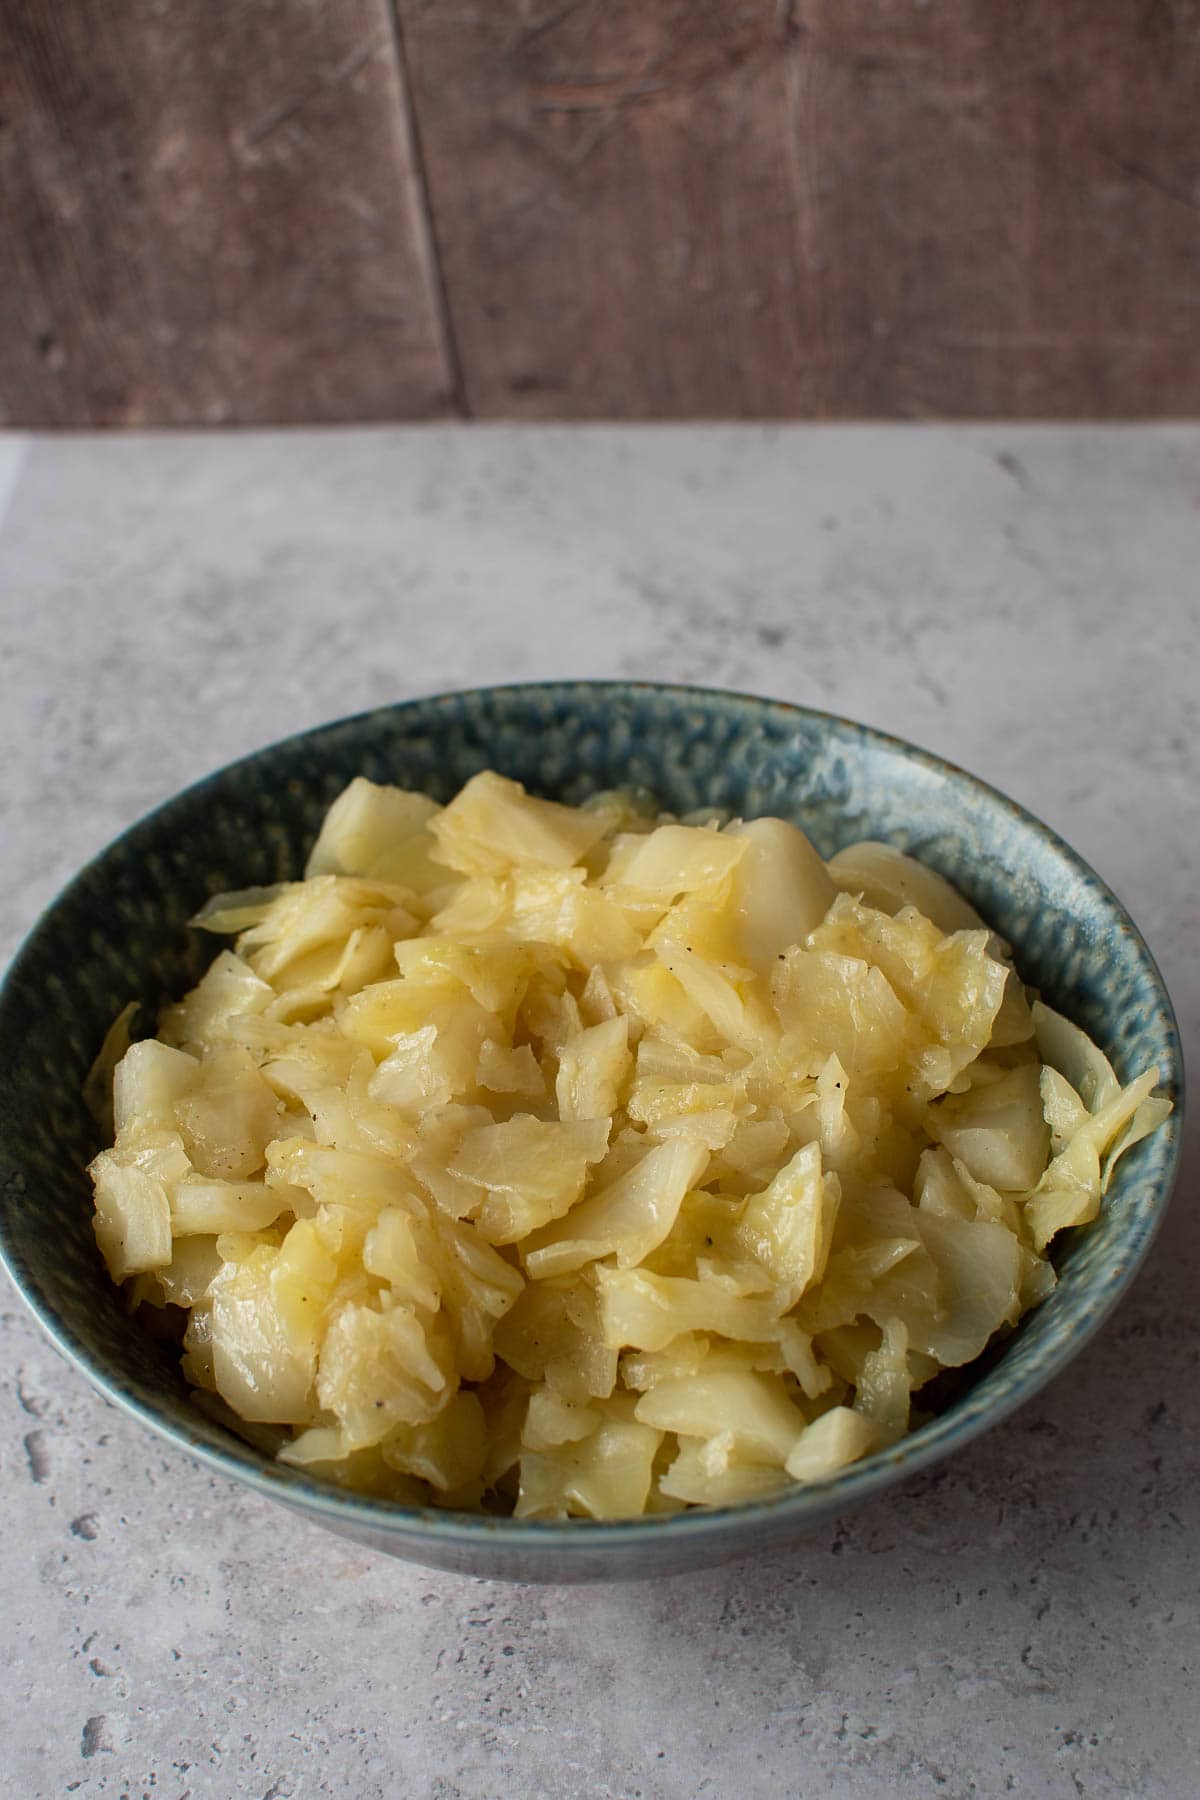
point(119, 932)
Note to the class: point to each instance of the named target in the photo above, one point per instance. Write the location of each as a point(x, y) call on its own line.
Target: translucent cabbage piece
point(719, 991)
point(1062, 1107)
point(552, 1334)
point(979, 1272)
point(133, 1185)
point(227, 914)
point(533, 1171)
point(1148, 1116)
point(646, 1312)
point(781, 890)
point(840, 1436)
point(949, 988)
point(751, 1412)
point(1065, 1047)
point(227, 1114)
point(704, 1474)
point(493, 826)
point(207, 1206)
point(999, 1132)
point(504, 1070)
point(1070, 1190)
point(588, 1162)
point(228, 991)
point(843, 1006)
point(380, 1369)
point(378, 832)
point(310, 916)
point(627, 1220)
point(606, 1475)
point(478, 1287)
point(551, 1421)
point(887, 879)
point(448, 1451)
point(673, 860)
point(883, 1390)
point(789, 1226)
point(558, 909)
point(147, 1083)
point(188, 1276)
point(263, 1360)
point(592, 1070)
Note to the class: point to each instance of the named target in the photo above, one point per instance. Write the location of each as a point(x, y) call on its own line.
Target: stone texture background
point(1024, 1619)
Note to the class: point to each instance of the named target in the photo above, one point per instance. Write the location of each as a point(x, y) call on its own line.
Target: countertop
point(1025, 1619)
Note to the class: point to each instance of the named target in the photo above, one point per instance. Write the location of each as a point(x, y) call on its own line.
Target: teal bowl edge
point(631, 1549)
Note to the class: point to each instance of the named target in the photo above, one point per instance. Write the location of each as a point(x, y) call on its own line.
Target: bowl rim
point(965, 1419)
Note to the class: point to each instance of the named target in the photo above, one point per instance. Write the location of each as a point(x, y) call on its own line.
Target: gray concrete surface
point(1024, 1620)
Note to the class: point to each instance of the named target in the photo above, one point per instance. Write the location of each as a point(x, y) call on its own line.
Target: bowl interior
point(119, 932)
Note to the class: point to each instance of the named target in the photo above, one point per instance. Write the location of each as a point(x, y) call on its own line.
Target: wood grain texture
point(210, 213)
point(623, 226)
point(813, 208)
point(1013, 216)
point(224, 212)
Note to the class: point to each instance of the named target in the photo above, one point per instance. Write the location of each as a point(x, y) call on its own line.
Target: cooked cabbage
point(575, 1161)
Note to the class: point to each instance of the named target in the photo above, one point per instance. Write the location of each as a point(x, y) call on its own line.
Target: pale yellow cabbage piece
point(264, 1357)
point(781, 891)
point(1063, 1046)
point(186, 1280)
point(627, 1220)
point(999, 1131)
point(592, 1070)
point(753, 1413)
point(887, 879)
point(203, 1205)
point(493, 826)
point(840, 1436)
point(1069, 1191)
point(383, 1368)
point(503, 1070)
point(672, 860)
point(644, 1311)
point(551, 1334)
point(530, 1171)
point(378, 832)
point(551, 1420)
point(228, 992)
point(606, 1475)
point(704, 1473)
point(447, 1451)
point(227, 1115)
point(883, 1390)
point(147, 1085)
point(133, 1184)
point(789, 1226)
point(590, 1162)
point(557, 909)
point(1063, 1108)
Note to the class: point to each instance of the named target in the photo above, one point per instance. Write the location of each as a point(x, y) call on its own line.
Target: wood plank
point(815, 207)
point(210, 213)
point(616, 210)
point(1008, 231)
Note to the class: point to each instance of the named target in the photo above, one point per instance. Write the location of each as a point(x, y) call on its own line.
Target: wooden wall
point(249, 211)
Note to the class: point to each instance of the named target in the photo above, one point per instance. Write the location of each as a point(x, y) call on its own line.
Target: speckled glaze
point(119, 931)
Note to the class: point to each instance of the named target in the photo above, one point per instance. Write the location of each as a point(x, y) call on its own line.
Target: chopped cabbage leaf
point(589, 1162)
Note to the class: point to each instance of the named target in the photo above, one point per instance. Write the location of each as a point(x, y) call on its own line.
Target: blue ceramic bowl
point(119, 931)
